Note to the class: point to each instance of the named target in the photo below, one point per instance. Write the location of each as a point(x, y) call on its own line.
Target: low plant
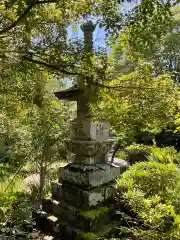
point(164, 155)
point(15, 209)
point(5, 171)
point(10, 185)
point(137, 153)
point(15, 213)
point(151, 193)
point(122, 155)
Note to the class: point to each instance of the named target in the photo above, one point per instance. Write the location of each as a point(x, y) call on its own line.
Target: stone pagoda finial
point(88, 29)
point(79, 92)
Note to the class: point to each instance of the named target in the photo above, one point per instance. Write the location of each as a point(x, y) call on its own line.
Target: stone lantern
point(80, 204)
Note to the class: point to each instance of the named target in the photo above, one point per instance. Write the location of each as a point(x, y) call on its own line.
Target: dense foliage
point(151, 191)
point(37, 58)
point(131, 103)
point(139, 102)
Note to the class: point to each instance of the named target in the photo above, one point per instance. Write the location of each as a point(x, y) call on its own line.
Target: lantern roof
point(70, 94)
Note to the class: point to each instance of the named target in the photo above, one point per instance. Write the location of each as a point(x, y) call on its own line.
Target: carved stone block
point(86, 160)
point(86, 199)
point(63, 230)
point(86, 129)
point(88, 148)
point(91, 176)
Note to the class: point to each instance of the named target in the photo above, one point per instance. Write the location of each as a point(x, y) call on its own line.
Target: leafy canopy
point(36, 31)
point(138, 102)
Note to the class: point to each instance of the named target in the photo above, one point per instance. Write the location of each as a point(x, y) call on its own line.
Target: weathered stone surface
point(87, 220)
point(77, 234)
point(56, 190)
point(119, 163)
point(47, 205)
point(47, 223)
point(88, 148)
point(59, 228)
point(86, 129)
point(86, 199)
point(86, 160)
point(92, 176)
point(52, 207)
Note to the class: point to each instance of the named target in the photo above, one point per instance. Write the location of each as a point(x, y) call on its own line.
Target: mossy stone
point(95, 213)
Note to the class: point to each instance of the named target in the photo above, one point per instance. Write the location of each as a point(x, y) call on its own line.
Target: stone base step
point(94, 175)
point(84, 219)
point(56, 189)
point(81, 198)
point(49, 224)
point(45, 222)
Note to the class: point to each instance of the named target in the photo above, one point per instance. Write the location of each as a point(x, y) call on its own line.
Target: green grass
point(9, 186)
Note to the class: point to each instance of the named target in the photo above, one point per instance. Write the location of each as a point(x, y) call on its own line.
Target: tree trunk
point(43, 170)
point(42, 183)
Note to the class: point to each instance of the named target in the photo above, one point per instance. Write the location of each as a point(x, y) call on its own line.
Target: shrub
point(137, 153)
point(15, 141)
point(123, 154)
point(151, 190)
point(141, 153)
point(15, 210)
point(164, 155)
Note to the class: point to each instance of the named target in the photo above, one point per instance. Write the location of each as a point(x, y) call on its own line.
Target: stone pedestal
point(81, 203)
point(81, 206)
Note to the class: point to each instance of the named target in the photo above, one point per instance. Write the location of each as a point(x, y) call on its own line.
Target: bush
point(15, 210)
point(123, 154)
point(151, 190)
point(15, 141)
point(137, 153)
point(141, 153)
point(164, 155)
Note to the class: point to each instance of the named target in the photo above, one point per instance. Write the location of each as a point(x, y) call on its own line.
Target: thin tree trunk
point(43, 170)
point(42, 183)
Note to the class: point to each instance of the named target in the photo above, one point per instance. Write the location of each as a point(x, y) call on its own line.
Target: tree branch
point(119, 87)
point(15, 23)
point(47, 1)
point(52, 66)
point(28, 9)
point(176, 3)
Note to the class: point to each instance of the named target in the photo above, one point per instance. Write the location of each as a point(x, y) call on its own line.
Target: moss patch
point(95, 213)
point(103, 232)
point(90, 236)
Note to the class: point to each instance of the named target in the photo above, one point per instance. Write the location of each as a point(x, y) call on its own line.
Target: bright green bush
point(151, 190)
point(123, 154)
point(15, 209)
point(138, 153)
point(164, 155)
point(135, 153)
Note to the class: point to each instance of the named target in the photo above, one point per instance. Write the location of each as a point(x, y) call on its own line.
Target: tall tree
point(139, 102)
point(167, 55)
point(35, 31)
point(35, 49)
